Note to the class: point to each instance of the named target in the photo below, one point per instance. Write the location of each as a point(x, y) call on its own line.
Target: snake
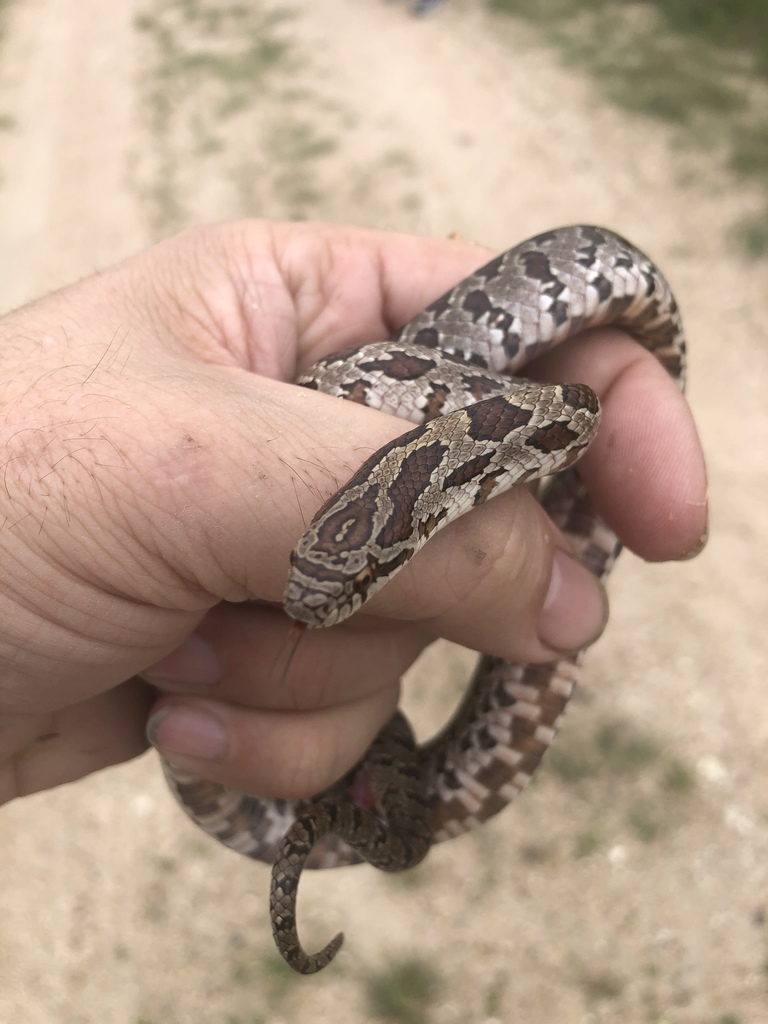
point(479, 429)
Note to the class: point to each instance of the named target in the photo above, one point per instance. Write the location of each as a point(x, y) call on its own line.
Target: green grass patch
point(275, 975)
point(623, 751)
point(588, 842)
point(751, 235)
point(702, 67)
point(537, 853)
point(600, 986)
point(614, 749)
point(677, 779)
point(645, 819)
point(626, 779)
point(244, 972)
point(7, 121)
point(739, 25)
point(494, 997)
point(166, 865)
point(571, 765)
point(227, 121)
point(402, 992)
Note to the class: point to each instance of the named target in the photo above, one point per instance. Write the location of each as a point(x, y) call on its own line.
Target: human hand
point(159, 469)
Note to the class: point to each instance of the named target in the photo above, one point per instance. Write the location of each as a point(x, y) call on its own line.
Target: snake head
point(322, 589)
point(339, 561)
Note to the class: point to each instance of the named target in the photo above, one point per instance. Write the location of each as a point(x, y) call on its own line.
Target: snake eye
point(363, 579)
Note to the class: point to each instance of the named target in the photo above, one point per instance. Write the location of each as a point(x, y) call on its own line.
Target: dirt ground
point(629, 883)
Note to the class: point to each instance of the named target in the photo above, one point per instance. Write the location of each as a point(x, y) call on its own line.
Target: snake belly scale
point(480, 430)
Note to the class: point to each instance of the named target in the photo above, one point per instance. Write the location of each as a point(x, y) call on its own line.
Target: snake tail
point(389, 825)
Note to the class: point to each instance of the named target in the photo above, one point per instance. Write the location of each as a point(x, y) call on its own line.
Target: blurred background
point(628, 884)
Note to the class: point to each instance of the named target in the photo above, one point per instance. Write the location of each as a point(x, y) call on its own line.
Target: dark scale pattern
point(470, 470)
point(428, 337)
point(538, 268)
point(400, 366)
point(494, 418)
point(361, 478)
point(434, 401)
point(487, 487)
point(552, 438)
point(479, 386)
point(426, 527)
point(350, 526)
point(357, 392)
point(577, 396)
point(604, 289)
point(387, 566)
point(478, 305)
point(619, 306)
point(491, 270)
point(414, 475)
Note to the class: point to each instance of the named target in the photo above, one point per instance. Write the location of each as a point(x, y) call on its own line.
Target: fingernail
point(185, 731)
point(697, 548)
point(575, 610)
point(193, 663)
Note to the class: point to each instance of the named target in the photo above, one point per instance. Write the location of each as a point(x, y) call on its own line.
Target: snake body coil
point(450, 369)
